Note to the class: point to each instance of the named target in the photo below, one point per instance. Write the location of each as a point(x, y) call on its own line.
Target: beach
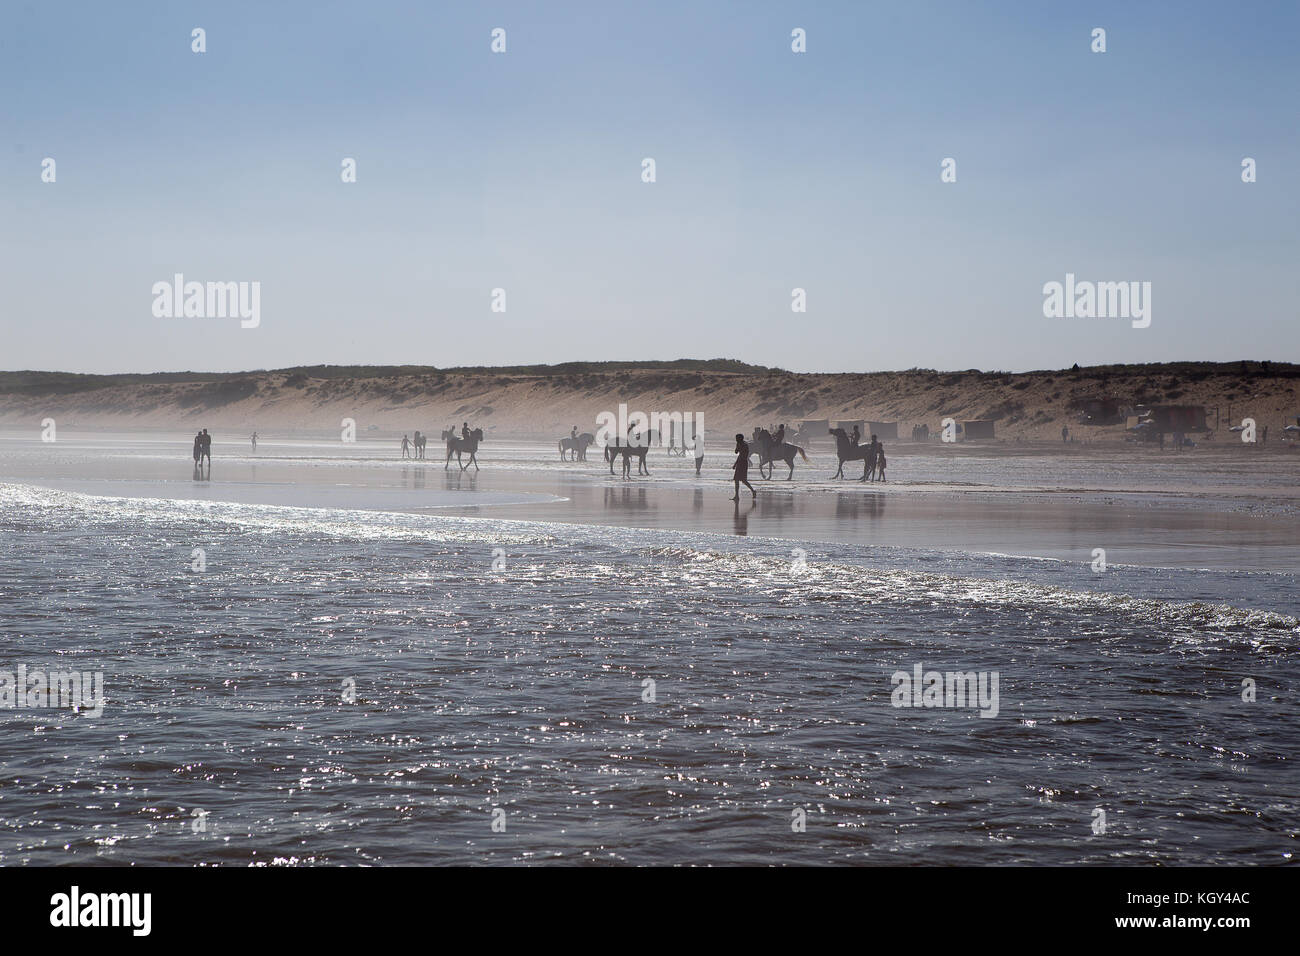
point(379, 659)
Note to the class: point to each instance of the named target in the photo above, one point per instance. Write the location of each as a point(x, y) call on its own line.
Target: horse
point(421, 440)
point(768, 451)
point(847, 451)
point(458, 445)
point(576, 446)
point(616, 448)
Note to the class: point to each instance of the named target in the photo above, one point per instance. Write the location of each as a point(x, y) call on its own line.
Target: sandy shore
point(1175, 510)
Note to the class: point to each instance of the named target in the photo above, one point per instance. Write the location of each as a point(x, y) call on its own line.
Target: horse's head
point(586, 438)
point(476, 434)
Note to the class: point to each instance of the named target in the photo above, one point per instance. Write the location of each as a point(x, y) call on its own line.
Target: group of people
point(875, 456)
point(202, 450)
point(416, 449)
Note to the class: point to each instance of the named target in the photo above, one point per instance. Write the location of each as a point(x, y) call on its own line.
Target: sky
point(523, 171)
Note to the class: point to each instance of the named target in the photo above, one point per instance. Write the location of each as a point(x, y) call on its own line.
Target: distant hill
point(546, 400)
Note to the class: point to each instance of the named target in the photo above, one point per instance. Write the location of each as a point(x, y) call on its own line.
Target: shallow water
point(521, 687)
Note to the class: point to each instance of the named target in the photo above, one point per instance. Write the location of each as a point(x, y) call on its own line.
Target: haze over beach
point(700, 435)
point(537, 401)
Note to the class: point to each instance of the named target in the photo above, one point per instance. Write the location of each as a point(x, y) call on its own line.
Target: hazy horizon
point(522, 171)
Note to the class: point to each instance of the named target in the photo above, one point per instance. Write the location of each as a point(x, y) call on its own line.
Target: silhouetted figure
point(406, 446)
point(855, 437)
point(741, 468)
point(880, 463)
point(1065, 434)
point(873, 457)
point(206, 447)
point(464, 431)
point(198, 454)
point(254, 441)
point(699, 456)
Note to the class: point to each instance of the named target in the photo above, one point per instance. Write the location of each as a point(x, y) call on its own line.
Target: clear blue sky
point(522, 171)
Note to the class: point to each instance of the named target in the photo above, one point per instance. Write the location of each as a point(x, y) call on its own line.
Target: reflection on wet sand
point(627, 499)
point(740, 521)
point(851, 507)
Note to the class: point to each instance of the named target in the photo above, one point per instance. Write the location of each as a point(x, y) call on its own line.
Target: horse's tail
point(801, 453)
point(561, 446)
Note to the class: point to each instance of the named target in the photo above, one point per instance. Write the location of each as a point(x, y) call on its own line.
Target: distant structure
point(813, 430)
point(980, 428)
point(883, 430)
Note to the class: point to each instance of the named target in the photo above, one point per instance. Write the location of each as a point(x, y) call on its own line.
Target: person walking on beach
point(198, 452)
point(254, 441)
point(406, 447)
point(206, 447)
point(741, 468)
point(880, 462)
point(699, 455)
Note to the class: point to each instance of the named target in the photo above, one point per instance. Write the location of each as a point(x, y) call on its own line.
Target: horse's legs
point(790, 477)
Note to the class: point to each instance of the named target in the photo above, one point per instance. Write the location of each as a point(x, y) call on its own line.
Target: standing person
point(880, 462)
point(198, 452)
point(699, 455)
point(206, 447)
point(1065, 434)
point(254, 441)
point(406, 447)
point(740, 470)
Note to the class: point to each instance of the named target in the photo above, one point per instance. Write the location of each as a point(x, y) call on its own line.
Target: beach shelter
point(977, 429)
point(883, 430)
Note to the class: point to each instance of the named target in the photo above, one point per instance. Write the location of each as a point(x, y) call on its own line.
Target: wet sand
point(1175, 511)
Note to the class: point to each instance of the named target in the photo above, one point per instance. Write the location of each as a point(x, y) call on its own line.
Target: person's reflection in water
point(698, 503)
point(741, 518)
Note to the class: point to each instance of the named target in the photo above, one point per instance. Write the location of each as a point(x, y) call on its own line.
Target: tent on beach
point(883, 430)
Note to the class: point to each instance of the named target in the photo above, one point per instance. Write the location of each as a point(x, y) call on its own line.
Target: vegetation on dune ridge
point(30, 382)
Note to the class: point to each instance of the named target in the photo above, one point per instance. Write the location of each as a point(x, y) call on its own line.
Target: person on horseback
point(464, 431)
point(855, 437)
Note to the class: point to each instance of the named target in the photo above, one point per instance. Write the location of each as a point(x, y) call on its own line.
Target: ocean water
point(354, 686)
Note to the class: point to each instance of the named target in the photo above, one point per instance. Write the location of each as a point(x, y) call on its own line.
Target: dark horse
point(576, 447)
point(458, 445)
point(768, 452)
point(616, 448)
point(848, 451)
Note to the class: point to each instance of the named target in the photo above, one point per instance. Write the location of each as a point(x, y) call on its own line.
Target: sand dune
point(542, 401)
